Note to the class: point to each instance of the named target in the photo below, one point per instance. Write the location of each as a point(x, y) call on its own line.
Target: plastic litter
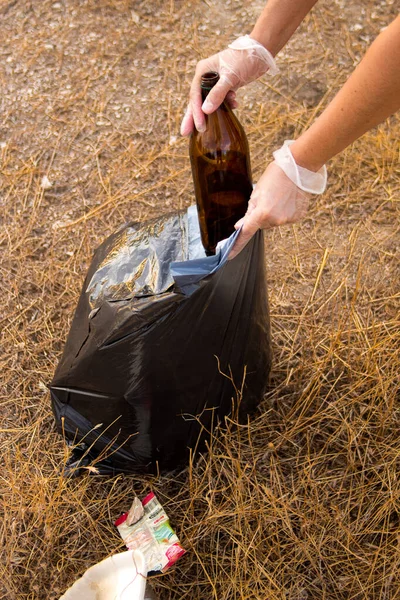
point(161, 341)
point(151, 533)
point(119, 577)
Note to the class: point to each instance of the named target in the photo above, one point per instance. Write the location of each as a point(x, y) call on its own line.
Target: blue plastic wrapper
point(158, 326)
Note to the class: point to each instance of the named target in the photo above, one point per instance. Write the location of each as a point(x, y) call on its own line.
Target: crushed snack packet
point(136, 512)
point(152, 534)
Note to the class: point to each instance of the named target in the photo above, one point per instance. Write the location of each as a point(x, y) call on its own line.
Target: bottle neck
point(208, 80)
point(205, 92)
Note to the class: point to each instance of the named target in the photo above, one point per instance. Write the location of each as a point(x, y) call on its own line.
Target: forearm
point(278, 21)
point(370, 95)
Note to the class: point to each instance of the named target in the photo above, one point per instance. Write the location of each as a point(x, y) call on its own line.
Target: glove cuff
point(308, 181)
point(245, 42)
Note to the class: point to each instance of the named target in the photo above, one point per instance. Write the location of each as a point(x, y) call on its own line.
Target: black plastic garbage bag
point(143, 377)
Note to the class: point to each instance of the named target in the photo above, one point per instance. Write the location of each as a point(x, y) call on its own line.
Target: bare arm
point(370, 95)
point(278, 21)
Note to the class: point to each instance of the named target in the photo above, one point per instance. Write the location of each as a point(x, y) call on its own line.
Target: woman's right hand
point(281, 196)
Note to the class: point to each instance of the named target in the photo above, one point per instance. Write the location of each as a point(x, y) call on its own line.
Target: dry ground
point(304, 502)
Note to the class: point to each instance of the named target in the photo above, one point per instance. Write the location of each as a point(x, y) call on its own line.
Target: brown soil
point(304, 502)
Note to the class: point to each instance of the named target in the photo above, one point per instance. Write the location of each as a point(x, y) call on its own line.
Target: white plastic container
point(119, 577)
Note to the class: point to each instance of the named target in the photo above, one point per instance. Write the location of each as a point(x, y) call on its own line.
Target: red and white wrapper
point(153, 535)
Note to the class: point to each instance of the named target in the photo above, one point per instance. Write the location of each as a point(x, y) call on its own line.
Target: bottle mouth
point(208, 80)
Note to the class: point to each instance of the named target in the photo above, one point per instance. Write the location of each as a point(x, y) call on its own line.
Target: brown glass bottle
point(221, 171)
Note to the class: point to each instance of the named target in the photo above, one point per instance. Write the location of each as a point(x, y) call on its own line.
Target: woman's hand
point(242, 62)
point(275, 201)
point(282, 196)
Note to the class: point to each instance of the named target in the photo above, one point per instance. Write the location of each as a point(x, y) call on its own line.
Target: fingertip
point(236, 249)
point(216, 97)
point(185, 131)
point(200, 123)
point(208, 107)
point(198, 118)
point(187, 123)
point(239, 223)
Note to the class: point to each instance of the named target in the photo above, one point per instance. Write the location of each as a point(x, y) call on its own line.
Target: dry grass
point(304, 501)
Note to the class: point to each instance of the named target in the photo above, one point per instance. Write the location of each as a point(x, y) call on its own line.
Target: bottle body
point(221, 174)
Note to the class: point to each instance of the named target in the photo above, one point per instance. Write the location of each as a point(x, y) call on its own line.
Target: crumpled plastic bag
point(150, 531)
point(164, 344)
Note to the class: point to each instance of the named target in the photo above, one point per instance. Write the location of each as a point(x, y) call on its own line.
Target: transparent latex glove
point(242, 62)
point(281, 196)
